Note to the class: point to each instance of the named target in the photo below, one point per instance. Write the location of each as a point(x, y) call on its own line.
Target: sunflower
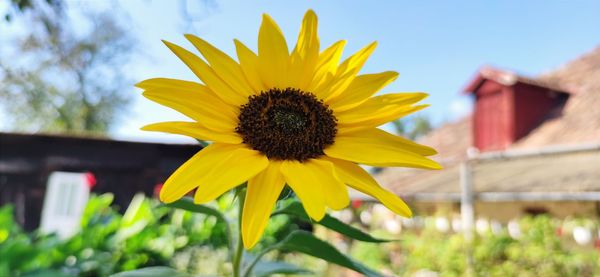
point(299, 118)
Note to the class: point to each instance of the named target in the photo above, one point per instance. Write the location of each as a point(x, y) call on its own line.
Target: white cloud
point(460, 107)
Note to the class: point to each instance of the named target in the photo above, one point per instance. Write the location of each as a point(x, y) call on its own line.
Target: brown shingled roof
point(510, 78)
point(577, 171)
point(580, 121)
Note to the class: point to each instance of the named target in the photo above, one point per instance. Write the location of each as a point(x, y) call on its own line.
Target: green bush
point(539, 252)
point(148, 234)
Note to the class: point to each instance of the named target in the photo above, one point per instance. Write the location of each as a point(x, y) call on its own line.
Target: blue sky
point(436, 46)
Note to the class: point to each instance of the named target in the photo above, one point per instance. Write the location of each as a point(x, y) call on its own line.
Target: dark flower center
point(287, 124)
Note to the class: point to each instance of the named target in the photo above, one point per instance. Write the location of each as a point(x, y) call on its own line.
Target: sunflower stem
point(239, 251)
point(250, 267)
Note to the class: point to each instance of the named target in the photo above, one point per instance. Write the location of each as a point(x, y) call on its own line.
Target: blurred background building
point(121, 167)
point(530, 146)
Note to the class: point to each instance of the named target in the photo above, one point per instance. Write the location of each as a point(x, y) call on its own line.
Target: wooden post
point(467, 212)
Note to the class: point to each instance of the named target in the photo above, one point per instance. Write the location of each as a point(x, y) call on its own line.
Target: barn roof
point(580, 121)
point(578, 124)
point(511, 78)
point(568, 171)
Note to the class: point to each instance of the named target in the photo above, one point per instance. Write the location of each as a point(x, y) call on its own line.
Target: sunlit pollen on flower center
point(288, 121)
point(287, 124)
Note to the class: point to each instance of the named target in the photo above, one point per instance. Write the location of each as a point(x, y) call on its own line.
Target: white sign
point(66, 196)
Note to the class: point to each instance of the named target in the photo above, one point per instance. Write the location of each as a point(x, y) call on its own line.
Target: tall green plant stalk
point(239, 251)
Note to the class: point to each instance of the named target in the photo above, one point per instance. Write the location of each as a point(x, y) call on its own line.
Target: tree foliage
point(413, 127)
point(65, 76)
point(21, 6)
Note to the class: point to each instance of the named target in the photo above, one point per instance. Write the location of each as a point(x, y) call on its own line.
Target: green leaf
point(157, 271)
point(296, 209)
point(269, 268)
point(137, 216)
point(187, 204)
point(138, 210)
point(46, 273)
point(307, 243)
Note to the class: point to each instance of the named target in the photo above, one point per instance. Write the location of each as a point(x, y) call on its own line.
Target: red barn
point(508, 106)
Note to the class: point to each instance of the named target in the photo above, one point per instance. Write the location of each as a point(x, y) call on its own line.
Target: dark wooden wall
point(121, 167)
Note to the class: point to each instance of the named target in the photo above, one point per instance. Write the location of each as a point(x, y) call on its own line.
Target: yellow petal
point(195, 130)
point(202, 106)
point(379, 110)
point(307, 186)
point(397, 142)
point(305, 55)
point(261, 196)
point(333, 84)
point(359, 179)
point(377, 151)
point(345, 73)
point(249, 63)
point(207, 75)
point(308, 40)
point(361, 88)
point(273, 54)
point(174, 84)
point(224, 66)
point(356, 61)
point(327, 64)
point(186, 177)
point(310, 180)
point(384, 117)
point(336, 192)
point(241, 165)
